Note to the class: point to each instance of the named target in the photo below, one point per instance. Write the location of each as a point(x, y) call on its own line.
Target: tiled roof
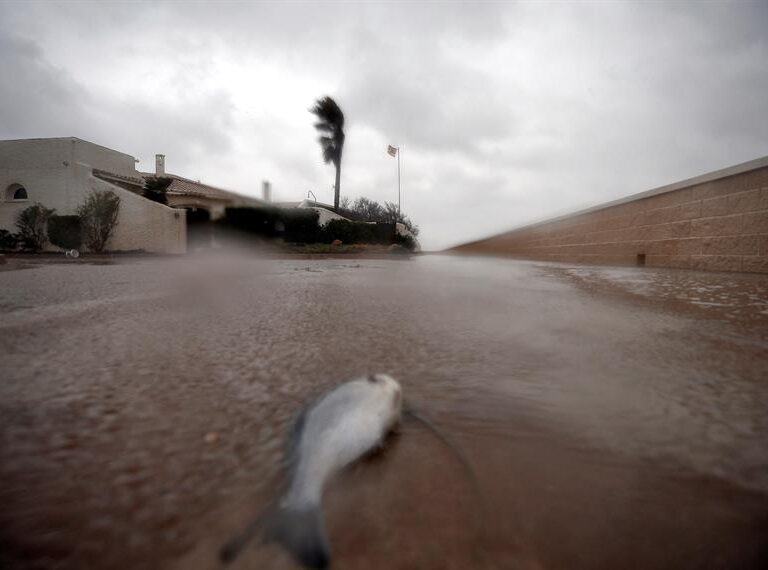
point(181, 186)
point(106, 175)
point(187, 187)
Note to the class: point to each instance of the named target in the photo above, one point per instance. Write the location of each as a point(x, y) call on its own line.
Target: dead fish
point(336, 430)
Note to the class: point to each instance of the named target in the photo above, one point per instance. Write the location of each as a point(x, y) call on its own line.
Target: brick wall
point(717, 221)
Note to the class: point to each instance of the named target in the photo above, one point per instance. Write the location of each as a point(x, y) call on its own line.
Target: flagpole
point(398, 186)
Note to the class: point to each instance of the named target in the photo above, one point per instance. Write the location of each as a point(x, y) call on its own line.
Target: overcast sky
point(506, 112)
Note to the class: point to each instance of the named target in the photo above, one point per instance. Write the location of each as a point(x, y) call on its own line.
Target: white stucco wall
point(58, 174)
point(142, 224)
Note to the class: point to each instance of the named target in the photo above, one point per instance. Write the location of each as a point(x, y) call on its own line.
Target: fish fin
point(301, 531)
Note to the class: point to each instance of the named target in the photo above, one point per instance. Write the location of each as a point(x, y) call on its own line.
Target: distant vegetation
point(331, 126)
point(300, 225)
point(365, 210)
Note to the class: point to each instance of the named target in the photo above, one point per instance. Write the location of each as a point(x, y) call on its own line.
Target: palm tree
point(331, 126)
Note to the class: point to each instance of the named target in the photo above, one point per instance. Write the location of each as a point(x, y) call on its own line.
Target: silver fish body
point(342, 426)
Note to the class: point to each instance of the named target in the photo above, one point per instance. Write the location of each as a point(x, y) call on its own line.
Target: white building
point(60, 172)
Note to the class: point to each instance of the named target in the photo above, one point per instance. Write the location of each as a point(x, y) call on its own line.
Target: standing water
point(601, 418)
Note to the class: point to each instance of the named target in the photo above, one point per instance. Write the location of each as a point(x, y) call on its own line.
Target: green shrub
point(65, 232)
point(155, 188)
point(406, 241)
point(98, 216)
point(8, 241)
point(32, 223)
point(365, 210)
point(300, 225)
point(261, 222)
point(351, 232)
point(294, 225)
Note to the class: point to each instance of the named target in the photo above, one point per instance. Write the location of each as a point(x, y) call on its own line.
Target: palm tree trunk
point(338, 185)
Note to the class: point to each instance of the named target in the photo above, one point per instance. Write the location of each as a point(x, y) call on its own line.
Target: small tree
point(65, 232)
point(155, 188)
point(393, 215)
point(368, 210)
point(33, 223)
point(98, 216)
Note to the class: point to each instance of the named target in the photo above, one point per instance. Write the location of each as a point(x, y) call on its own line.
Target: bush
point(155, 188)
point(32, 223)
point(352, 232)
point(365, 210)
point(98, 216)
point(8, 241)
point(294, 225)
point(65, 232)
point(261, 222)
point(406, 241)
point(300, 225)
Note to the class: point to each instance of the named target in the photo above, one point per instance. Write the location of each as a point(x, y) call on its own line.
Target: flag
point(392, 151)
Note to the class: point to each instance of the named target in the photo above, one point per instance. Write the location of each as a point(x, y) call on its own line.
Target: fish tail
point(302, 532)
point(299, 529)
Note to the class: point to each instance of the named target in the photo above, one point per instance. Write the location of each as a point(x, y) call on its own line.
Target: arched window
point(16, 192)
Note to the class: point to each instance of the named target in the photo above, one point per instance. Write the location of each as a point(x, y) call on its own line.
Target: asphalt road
point(610, 418)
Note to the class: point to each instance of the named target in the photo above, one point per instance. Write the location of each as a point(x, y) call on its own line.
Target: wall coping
point(70, 139)
point(741, 168)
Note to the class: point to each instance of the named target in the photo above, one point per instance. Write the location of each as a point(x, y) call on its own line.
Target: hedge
point(294, 225)
point(300, 225)
point(65, 232)
point(353, 232)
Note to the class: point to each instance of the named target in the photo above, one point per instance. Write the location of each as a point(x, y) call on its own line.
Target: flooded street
point(601, 417)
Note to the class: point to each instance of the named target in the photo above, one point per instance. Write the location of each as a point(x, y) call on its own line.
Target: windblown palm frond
point(331, 126)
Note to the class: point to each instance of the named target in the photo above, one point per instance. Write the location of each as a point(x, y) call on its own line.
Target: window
point(16, 192)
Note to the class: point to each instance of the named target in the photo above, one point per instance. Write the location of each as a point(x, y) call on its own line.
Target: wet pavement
point(611, 418)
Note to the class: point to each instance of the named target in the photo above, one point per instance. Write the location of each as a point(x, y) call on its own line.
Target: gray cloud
point(506, 113)
point(35, 96)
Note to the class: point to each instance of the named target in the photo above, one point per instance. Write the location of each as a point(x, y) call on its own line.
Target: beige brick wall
point(719, 224)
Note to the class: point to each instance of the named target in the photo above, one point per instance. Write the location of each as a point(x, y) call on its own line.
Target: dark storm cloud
point(35, 96)
point(178, 112)
point(506, 112)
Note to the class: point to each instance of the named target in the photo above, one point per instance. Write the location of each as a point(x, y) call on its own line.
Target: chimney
point(266, 191)
point(159, 165)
